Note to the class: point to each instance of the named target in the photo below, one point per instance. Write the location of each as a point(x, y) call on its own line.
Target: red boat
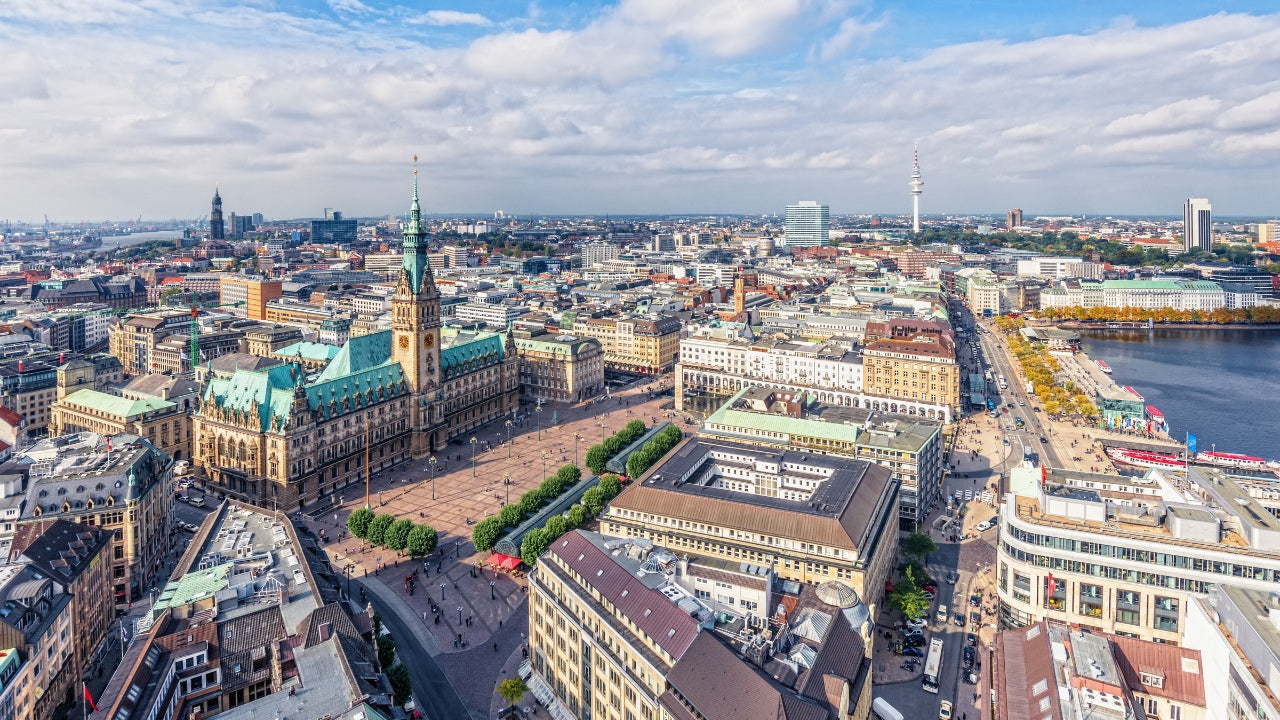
point(1141, 458)
point(1153, 413)
point(1103, 367)
point(1232, 460)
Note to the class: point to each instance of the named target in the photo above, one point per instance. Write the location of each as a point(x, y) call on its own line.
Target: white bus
point(933, 666)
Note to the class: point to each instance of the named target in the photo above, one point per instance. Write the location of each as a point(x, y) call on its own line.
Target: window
point(1129, 607)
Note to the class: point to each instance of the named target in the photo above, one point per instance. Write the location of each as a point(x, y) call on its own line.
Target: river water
point(1223, 386)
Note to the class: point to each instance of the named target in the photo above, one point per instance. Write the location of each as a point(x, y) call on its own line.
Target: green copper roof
point(415, 244)
point(264, 393)
point(359, 353)
point(193, 586)
point(308, 351)
point(115, 405)
point(782, 424)
point(470, 351)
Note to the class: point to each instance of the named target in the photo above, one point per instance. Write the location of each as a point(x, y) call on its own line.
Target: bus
point(933, 666)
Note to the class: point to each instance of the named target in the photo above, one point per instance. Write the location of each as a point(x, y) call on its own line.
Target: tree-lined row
point(536, 542)
point(402, 535)
point(1261, 314)
point(488, 531)
point(598, 455)
point(653, 451)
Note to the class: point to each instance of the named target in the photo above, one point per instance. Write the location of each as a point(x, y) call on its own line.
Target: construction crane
point(195, 327)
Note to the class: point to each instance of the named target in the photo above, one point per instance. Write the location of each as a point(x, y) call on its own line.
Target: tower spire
point(916, 185)
point(414, 243)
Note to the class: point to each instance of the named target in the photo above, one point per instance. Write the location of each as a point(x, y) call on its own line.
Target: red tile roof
point(653, 613)
point(10, 416)
point(1181, 669)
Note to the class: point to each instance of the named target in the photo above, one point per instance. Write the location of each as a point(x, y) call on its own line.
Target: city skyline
point(635, 107)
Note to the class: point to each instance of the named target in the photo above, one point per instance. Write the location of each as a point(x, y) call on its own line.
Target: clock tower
point(415, 326)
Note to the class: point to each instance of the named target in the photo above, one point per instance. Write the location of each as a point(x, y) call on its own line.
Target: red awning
point(505, 562)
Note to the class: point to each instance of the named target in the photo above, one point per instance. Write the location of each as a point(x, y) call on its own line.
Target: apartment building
point(810, 517)
point(243, 629)
point(621, 629)
point(911, 449)
point(1050, 671)
point(266, 339)
point(914, 370)
point(1075, 550)
point(247, 295)
point(165, 424)
point(559, 368)
point(1236, 630)
point(57, 598)
point(1201, 295)
point(134, 339)
point(644, 345)
point(119, 483)
point(173, 354)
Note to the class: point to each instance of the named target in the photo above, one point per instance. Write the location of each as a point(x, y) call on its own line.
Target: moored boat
point(1142, 458)
point(1103, 367)
point(1233, 460)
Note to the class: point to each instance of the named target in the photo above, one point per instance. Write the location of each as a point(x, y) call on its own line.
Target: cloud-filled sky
point(120, 108)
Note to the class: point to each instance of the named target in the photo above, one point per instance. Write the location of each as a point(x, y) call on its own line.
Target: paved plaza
point(473, 614)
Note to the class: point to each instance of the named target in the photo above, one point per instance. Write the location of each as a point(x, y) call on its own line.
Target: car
point(959, 620)
point(969, 654)
point(196, 502)
point(970, 639)
point(184, 498)
point(1004, 409)
point(930, 587)
point(971, 678)
point(942, 614)
point(983, 527)
point(975, 618)
point(917, 624)
point(1005, 441)
point(945, 710)
point(975, 600)
point(911, 652)
point(1010, 406)
point(1044, 439)
point(1022, 403)
point(952, 577)
point(914, 641)
point(928, 595)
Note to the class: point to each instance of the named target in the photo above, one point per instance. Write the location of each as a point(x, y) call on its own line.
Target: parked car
point(945, 710)
point(970, 639)
point(918, 623)
point(975, 618)
point(983, 526)
point(929, 595)
point(952, 577)
point(196, 502)
point(969, 654)
point(184, 498)
point(910, 651)
point(959, 620)
point(914, 641)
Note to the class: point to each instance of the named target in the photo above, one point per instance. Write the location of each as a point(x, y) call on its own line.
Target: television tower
point(916, 185)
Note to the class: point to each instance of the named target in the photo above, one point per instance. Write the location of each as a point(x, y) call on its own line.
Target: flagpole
point(84, 693)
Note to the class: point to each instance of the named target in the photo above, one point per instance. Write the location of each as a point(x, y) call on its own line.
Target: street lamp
point(473, 456)
point(544, 466)
point(576, 438)
point(506, 483)
point(537, 409)
point(508, 423)
point(442, 591)
point(350, 566)
point(432, 463)
point(459, 614)
point(600, 423)
point(492, 596)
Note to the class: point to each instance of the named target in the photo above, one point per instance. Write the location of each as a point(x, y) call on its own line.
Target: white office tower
point(1197, 225)
point(808, 225)
point(916, 185)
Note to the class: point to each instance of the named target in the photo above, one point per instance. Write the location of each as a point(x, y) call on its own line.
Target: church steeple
point(416, 266)
point(216, 227)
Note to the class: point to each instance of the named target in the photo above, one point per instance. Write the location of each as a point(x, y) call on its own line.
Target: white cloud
point(444, 18)
point(852, 31)
point(1192, 112)
point(646, 105)
point(350, 7)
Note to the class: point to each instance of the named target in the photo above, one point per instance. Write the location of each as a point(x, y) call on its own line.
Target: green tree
point(512, 689)
point(397, 535)
point(555, 527)
point(907, 597)
point(485, 534)
point(386, 650)
point(595, 458)
point(358, 522)
point(552, 486)
point(378, 528)
point(398, 676)
point(610, 485)
point(423, 539)
point(578, 516)
point(534, 544)
point(510, 516)
point(919, 545)
point(569, 474)
point(593, 500)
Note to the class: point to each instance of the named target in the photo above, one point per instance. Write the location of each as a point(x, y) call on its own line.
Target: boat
point(1142, 458)
point(1103, 367)
point(1154, 414)
point(1232, 460)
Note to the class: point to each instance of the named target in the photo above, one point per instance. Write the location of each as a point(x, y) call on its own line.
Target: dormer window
point(1152, 679)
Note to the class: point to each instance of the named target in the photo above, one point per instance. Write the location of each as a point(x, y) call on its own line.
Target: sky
point(113, 109)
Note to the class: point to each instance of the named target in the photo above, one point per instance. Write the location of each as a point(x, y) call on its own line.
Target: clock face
point(404, 341)
point(428, 340)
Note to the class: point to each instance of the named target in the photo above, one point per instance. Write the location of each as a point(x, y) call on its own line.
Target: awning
point(505, 562)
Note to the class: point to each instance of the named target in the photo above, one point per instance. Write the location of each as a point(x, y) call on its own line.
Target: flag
point(89, 698)
point(1191, 444)
point(1052, 586)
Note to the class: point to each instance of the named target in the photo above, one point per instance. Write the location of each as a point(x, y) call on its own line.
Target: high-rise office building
point(1015, 218)
point(333, 229)
point(215, 217)
point(808, 224)
point(1197, 225)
